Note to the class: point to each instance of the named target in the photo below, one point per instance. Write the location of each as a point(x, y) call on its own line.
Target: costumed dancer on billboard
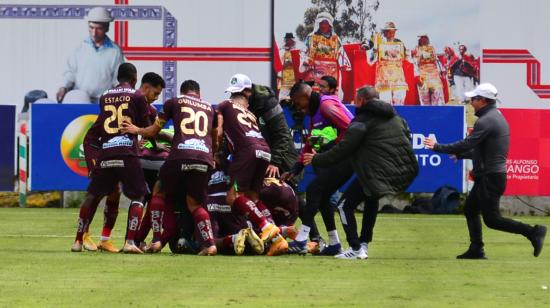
point(463, 71)
point(324, 54)
point(389, 54)
point(287, 77)
point(428, 72)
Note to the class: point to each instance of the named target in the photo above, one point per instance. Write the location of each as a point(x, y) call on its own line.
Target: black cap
point(289, 35)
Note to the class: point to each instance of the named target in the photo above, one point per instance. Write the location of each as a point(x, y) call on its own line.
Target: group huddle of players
point(200, 188)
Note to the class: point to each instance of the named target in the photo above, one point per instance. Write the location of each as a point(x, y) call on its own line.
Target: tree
point(352, 18)
point(365, 17)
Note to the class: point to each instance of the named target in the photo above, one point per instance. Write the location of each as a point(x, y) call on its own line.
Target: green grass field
point(411, 263)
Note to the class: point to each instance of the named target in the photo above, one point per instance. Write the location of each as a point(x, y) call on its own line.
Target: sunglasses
point(472, 99)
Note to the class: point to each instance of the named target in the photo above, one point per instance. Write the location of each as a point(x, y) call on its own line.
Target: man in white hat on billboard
point(93, 66)
point(487, 146)
point(389, 53)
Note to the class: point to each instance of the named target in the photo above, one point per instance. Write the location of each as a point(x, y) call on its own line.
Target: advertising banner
point(392, 45)
point(445, 125)
point(207, 41)
point(57, 157)
point(528, 163)
point(57, 154)
point(7, 144)
point(518, 68)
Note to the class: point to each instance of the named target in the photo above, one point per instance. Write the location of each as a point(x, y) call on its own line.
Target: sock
point(265, 211)
point(169, 224)
point(110, 214)
point(333, 237)
point(202, 221)
point(244, 206)
point(227, 242)
point(91, 218)
point(157, 215)
point(303, 233)
point(144, 227)
point(135, 212)
point(84, 220)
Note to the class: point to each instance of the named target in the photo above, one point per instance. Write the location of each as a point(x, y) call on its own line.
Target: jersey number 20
point(198, 121)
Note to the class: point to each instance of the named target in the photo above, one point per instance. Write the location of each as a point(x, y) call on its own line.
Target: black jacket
point(378, 143)
point(487, 145)
point(264, 104)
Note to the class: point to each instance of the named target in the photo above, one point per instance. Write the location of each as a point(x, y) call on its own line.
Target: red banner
point(528, 164)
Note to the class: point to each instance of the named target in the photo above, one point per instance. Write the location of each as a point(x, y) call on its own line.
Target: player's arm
point(149, 132)
point(214, 133)
point(215, 140)
point(219, 128)
point(480, 132)
point(334, 113)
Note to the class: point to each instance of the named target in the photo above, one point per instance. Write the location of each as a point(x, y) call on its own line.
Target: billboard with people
point(411, 59)
point(70, 49)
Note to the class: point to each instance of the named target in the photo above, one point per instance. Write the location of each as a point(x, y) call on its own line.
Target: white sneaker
point(363, 251)
point(350, 254)
point(346, 254)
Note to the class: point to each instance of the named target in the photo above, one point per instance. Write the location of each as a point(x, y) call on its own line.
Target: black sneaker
point(473, 254)
point(537, 239)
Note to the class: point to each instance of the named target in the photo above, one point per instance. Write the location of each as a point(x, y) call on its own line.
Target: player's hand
point(142, 143)
point(429, 143)
point(308, 157)
point(60, 94)
point(287, 176)
point(272, 171)
point(128, 127)
point(161, 147)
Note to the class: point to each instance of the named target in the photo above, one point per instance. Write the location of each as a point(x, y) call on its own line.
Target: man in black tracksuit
point(487, 146)
point(377, 143)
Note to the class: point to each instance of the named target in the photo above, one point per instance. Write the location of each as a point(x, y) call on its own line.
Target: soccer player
point(92, 146)
point(117, 160)
point(281, 204)
point(152, 153)
point(250, 159)
point(231, 230)
point(190, 159)
point(151, 87)
point(329, 120)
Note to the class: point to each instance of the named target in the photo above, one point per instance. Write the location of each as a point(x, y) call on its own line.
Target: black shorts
point(185, 178)
point(109, 172)
point(247, 169)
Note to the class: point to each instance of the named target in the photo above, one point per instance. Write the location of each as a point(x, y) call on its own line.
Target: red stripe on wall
point(216, 59)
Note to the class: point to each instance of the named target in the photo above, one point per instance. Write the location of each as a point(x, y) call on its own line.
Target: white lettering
point(433, 160)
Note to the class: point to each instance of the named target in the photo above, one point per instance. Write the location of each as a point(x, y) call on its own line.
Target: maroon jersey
point(122, 103)
point(152, 113)
point(240, 127)
point(193, 120)
point(281, 201)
